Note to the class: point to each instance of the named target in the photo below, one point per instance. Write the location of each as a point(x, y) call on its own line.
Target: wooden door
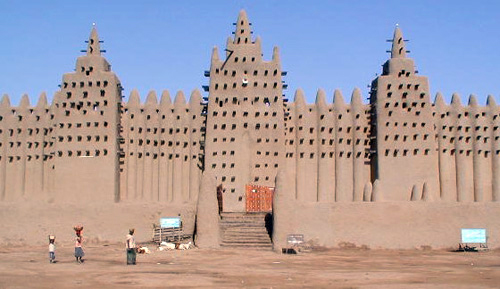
point(259, 198)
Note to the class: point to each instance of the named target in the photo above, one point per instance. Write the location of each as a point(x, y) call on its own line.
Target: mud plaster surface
point(30, 223)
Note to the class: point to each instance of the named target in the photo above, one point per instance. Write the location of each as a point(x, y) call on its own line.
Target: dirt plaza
point(104, 267)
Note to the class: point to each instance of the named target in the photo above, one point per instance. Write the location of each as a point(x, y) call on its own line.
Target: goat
point(185, 246)
point(143, 250)
point(167, 246)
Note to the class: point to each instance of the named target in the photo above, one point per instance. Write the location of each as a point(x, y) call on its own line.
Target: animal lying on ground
point(167, 246)
point(143, 250)
point(173, 246)
point(185, 246)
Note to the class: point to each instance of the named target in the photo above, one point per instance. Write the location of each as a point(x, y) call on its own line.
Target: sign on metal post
point(170, 222)
point(295, 239)
point(474, 236)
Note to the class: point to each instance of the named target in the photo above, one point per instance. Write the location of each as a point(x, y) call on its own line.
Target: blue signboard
point(474, 236)
point(170, 222)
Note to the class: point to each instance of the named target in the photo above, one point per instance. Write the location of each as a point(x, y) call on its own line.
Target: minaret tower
point(405, 146)
point(245, 117)
point(86, 126)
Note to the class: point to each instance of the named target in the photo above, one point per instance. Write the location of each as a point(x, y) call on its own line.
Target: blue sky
point(157, 45)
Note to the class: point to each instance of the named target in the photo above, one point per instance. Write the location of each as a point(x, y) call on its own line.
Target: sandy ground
point(104, 267)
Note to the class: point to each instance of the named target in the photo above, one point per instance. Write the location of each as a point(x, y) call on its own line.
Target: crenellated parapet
point(25, 145)
point(328, 147)
point(468, 149)
point(328, 150)
point(161, 148)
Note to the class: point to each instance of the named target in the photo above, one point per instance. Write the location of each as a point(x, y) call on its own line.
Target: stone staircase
point(246, 230)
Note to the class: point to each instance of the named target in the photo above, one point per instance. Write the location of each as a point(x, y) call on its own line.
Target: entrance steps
point(246, 230)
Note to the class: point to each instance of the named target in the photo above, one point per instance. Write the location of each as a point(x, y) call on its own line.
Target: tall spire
point(398, 44)
point(215, 54)
point(93, 47)
point(242, 33)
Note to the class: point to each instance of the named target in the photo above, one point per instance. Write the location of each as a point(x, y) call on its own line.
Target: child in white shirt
point(52, 249)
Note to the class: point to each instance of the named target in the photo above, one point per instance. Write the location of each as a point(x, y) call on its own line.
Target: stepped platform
point(246, 230)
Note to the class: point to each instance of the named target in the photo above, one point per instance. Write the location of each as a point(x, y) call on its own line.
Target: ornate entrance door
point(259, 198)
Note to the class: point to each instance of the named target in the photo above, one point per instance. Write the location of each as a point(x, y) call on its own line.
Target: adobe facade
point(246, 124)
point(89, 145)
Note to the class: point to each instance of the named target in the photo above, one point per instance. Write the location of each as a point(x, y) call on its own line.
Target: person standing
point(52, 249)
point(131, 248)
point(78, 244)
